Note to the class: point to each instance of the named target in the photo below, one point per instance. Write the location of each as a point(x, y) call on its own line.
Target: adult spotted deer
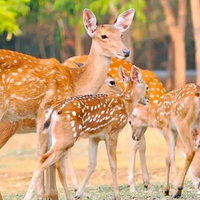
point(176, 115)
point(29, 85)
point(97, 117)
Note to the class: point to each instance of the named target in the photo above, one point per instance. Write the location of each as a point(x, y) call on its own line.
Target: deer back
point(179, 104)
point(90, 114)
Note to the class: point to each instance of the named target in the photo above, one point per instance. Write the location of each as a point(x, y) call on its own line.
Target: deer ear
point(124, 20)
point(125, 78)
point(136, 75)
point(89, 21)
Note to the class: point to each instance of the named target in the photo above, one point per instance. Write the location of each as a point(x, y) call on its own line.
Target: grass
point(105, 192)
point(18, 161)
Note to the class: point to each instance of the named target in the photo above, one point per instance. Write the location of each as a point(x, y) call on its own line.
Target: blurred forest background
point(164, 36)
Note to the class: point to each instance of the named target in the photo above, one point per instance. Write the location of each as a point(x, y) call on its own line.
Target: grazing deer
point(29, 85)
point(97, 117)
point(175, 114)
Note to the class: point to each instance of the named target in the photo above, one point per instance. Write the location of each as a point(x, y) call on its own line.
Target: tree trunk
point(149, 55)
point(78, 41)
point(177, 33)
point(41, 41)
point(179, 59)
point(63, 54)
point(170, 67)
point(51, 42)
point(195, 12)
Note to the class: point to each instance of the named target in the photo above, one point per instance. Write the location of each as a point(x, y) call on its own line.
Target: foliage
point(72, 10)
point(106, 6)
point(9, 12)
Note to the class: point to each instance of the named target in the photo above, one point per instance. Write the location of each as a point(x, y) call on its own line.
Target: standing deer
point(176, 115)
point(97, 117)
point(156, 90)
point(29, 85)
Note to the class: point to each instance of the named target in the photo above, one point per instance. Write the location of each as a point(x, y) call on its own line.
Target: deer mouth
point(121, 57)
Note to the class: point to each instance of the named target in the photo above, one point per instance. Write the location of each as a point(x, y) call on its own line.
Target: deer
point(49, 81)
point(176, 115)
point(97, 117)
point(155, 91)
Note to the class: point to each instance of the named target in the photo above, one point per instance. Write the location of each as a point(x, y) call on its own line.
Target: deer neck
point(129, 102)
point(91, 76)
point(150, 116)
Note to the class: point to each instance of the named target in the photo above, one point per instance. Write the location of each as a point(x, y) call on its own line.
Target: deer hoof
point(52, 198)
point(166, 192)
point(177, 194)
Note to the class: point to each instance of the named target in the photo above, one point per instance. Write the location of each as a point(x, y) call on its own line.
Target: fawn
point(155, 91)
point(95, 117)
point(49, 81)
point(175, 114)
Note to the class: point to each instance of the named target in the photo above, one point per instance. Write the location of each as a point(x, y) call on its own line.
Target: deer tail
point(47, 121)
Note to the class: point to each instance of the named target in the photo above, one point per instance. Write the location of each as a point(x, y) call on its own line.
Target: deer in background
point(97, 117)
point(176, 115)
point(29, 85)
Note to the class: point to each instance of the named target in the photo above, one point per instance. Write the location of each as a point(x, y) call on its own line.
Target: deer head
point(108, 38)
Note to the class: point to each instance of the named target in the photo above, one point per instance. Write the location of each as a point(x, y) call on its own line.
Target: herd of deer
point(65, 102)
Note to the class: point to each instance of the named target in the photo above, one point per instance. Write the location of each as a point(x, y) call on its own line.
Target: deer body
point(176, 114)
point(24, 87)
point(93, 116)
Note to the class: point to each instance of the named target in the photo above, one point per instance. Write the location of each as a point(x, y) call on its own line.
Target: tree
point(9, 12)
point(195, 12)
point(177, 33)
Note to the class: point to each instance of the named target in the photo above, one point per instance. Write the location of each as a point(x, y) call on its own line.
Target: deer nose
point(126, 52)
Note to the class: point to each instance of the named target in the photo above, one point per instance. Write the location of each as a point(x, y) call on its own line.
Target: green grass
point(105, 192)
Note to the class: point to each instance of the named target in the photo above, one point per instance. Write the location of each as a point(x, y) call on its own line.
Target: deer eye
point(147, 88)
point(112, 82)
point(104, 36)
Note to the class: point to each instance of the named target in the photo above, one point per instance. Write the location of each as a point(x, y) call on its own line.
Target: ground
point(18, 161)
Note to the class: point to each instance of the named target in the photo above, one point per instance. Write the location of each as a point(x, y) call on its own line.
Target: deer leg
point(44, 143)
point(111, 145)
point(170, 138)
point(44, 161)
point(71, 171)
point(7, 130)
point(142, 151)
point(131, 174)
point(168, 165)
point(93, 145)
point(61, 168)
point(185, 134)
